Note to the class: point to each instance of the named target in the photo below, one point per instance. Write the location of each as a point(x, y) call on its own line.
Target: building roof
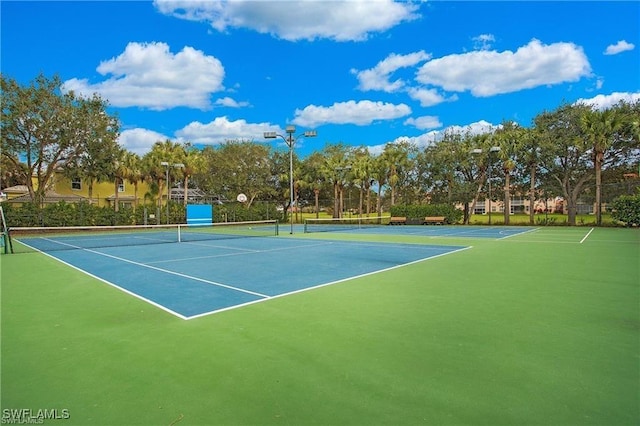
point(49, 197)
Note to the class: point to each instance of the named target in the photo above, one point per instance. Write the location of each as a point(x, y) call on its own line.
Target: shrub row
point(419, 212)
point(85, 214)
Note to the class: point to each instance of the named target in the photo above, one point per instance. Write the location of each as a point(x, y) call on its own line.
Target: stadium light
point(166, 166)
point(290, 140)
point(492, 150)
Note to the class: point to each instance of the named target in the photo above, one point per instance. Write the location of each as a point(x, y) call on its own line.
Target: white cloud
point(295, 20)
point(377, 78)
point(621, 46)
point(426, 139)
point(360, 113)
point(221, 130)
point(483, 41)
point(230, 103)
point(428, 97)
point(148, 75)
point(601, 102)
point(424, 122)
point(140, 140)
point(488, 73)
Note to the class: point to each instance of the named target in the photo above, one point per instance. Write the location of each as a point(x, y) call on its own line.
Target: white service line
point(586, 236)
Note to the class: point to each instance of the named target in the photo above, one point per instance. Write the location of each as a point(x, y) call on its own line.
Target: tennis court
point(540, 327)
point(208, 272)
point(492, 232)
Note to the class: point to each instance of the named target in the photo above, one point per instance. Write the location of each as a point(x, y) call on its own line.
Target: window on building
point(76, 183)
point(121, 187)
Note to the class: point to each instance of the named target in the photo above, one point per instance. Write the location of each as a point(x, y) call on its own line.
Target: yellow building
point(62, 188)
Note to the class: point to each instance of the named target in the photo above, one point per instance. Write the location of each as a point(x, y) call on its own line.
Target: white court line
point(131, 293)
point(213, 256)
point(586, 236)
point(167, 271)
point(519, 233)
point(263, 296)
point(302, 290)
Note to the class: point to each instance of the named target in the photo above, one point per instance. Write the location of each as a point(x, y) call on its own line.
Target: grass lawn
point(537, 329)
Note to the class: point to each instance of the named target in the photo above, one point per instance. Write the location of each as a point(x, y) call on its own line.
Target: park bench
point(436, 220)
point(398, 220)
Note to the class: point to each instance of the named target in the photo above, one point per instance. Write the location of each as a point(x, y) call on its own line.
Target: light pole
point(290, 140)
point(166, 166)
point(492, 150)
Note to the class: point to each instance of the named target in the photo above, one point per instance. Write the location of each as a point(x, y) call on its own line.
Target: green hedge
point(66, 214)
point(419, 212)
point(626, 209)
point(85, 214)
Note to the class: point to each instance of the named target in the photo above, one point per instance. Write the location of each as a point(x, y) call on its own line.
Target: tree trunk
point(186, 190)
point(316, 193)
point(116, 202)
point(598, 166)
point(532, 194)
point(507, 198)
point(336, 203)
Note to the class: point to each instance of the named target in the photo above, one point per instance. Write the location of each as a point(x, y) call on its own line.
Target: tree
point(565, 154)
point(239, 167)
point(509, 138)
point(601, 127)
point(98, 159)
point(332, 169)
point(396, 159)
point(133, 173)
point(312, 178)
point(156, 173)
point(192, 161)
point(119, 173)
point(361, 170)
point(530, 154)
point(48, 129)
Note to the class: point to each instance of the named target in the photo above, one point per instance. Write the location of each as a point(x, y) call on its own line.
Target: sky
point(361, 73)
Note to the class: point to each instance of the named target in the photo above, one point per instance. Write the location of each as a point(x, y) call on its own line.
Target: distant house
point(69, 190)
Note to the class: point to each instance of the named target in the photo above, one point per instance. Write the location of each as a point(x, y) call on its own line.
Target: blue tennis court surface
point(191, 279)
point(458, 231)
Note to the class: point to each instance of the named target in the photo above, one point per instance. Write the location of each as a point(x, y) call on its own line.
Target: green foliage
point(626, 209)
point(239, 212)
point(66, 214)
point(419, 212)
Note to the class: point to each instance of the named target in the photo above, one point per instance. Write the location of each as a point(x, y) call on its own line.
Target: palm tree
point(361, 170)
point(192, 161)
point(530, 155)
point(133, 173)
point(397, 162)
point(509, 139)
point(119, 174)
point(335, 162)
point(601, 127)
point(311, 177)
point(379, 174)
point(162, 152)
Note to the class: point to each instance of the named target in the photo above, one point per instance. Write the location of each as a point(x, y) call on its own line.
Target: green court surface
point(542, 328)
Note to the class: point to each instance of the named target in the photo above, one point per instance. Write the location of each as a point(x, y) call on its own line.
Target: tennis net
point(343, 224)
point(88, 237)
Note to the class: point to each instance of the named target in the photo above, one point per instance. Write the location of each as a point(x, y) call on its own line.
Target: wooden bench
point(398, 220)
point(436, 220)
